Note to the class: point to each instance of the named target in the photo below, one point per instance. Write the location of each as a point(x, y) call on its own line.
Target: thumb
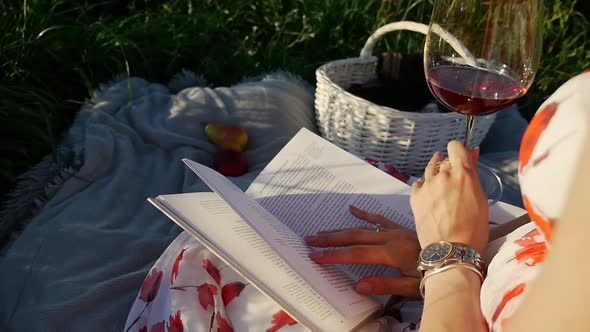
point(377, 285)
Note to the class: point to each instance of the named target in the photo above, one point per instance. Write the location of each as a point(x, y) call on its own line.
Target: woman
point(448, 205)
point(522, 291)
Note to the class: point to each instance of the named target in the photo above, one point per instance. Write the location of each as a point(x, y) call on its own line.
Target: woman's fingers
point(373, 218)
point(348, 238)
point(378, 285)
point(416, 186)
point(458, 155)
point(474, 155)
point(344, 230)
point(358, 254)
point(432, 167)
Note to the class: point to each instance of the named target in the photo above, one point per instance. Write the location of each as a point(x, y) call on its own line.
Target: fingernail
point(353, 208)
point(316, 255)
point(475, 154)
point(364, 287)
point(310, 239)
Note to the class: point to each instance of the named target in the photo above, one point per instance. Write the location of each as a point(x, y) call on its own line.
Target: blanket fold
point(79, 263)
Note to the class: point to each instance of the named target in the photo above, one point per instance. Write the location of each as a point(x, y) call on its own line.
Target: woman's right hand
point(449, 204)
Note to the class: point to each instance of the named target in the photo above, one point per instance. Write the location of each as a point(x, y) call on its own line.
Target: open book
point(306, 188)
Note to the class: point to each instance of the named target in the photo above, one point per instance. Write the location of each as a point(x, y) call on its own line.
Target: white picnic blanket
point(79, 263)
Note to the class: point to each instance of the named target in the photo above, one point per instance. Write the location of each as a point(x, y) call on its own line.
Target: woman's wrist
point(452, 282)
point(452, 302)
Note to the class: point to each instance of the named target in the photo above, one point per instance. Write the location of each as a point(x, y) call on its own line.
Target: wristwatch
point(441, 256)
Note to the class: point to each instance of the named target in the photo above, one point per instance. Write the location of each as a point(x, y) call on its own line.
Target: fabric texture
point(78, 264)
point(549, 155)
point(190, 289)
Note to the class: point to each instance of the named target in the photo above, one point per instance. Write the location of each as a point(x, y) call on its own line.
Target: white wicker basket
point(405, 139)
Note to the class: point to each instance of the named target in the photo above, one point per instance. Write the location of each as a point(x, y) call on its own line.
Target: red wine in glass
point(481, 57)
point(472, 90)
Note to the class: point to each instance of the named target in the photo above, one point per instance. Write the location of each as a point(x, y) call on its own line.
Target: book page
point(310, 184)
point(502, 213)
point(215, 224)
point(332, 284)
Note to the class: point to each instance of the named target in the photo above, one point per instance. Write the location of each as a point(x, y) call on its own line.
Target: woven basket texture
point(405, 139)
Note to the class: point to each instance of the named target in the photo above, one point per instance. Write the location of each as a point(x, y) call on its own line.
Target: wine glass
point(481, 57)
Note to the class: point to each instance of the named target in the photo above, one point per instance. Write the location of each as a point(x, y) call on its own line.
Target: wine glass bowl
point(472, 90)
point(502, 37)
point(490, 183)
point(482, 56)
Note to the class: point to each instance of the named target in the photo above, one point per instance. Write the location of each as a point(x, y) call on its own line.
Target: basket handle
point(367, 50)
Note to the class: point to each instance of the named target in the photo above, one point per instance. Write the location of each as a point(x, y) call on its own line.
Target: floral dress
point(190, 289)
point(549, 155)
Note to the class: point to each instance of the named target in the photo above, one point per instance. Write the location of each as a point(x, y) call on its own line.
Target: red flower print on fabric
point(158, 327)
point(231, 291)
point(212, 270)
point(533, 251)
point(174, 273)
point(205, 293)
point(148, 292)
point(223, 324)
point(372, 161)
point(389, 169)
point(544, 224)
point(175, 323)
point(150, 286)
point(538, 124)
point(280, 319)
point(511, 294)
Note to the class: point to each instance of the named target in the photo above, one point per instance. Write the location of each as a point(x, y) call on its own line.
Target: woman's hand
point(449, 204)
point(393, 246)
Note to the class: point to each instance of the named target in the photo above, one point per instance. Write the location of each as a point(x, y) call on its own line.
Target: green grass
point(54, 54)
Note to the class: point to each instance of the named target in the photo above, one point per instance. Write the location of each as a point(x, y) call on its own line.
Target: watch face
point(436, 252)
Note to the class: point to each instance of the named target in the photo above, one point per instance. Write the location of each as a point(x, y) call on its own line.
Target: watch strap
point(471, 256)
point(460, 257)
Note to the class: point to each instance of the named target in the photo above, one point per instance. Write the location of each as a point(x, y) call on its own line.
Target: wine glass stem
point(469, 125)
